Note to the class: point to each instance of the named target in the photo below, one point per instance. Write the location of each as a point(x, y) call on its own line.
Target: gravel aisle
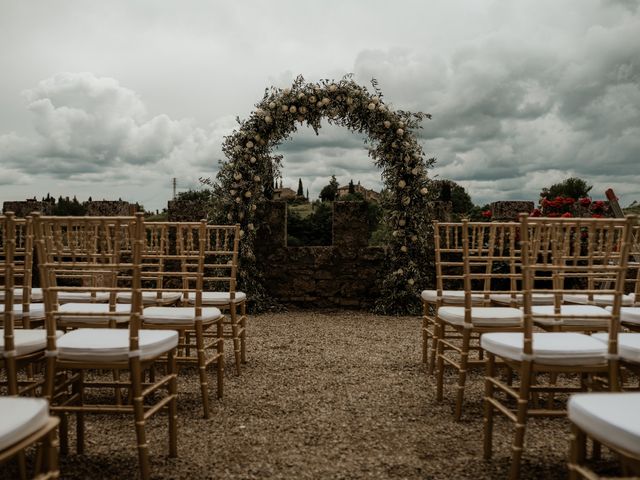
point(324, 395)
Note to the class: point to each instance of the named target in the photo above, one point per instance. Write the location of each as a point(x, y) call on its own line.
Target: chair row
point(539, 303)
point(117, 259)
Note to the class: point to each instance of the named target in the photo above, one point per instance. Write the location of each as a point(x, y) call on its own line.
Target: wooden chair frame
point(607, 241)
point(81, 247)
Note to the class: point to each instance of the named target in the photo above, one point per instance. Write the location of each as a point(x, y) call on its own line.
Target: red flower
point(596, 215)
point(553, 214)
point(585, 202)
point(487, 214)
point(569, 201)
point(566, 215)
point(536, 212)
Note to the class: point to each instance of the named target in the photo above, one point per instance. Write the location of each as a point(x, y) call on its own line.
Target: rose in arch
point(248, 172)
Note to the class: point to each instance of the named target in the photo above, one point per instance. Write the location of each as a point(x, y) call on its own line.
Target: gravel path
point(325, 395)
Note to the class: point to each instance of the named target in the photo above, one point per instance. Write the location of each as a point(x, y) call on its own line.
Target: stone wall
point(186, 211)
point(24, 208)
point(345, 274)
point(509, 210)
point(109, 208)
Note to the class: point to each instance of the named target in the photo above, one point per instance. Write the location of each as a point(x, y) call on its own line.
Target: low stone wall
point(346, 274)
point(24, 208)
point(108, 208)
point(510, 210)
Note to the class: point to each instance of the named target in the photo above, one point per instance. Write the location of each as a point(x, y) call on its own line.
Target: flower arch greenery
point(246, 177)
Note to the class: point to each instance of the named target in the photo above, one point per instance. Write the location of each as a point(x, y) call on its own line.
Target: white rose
point(403, 249)
point(312, 99)
point(259, 112)
point(326, 101)
point(232, 192)
point(375, 100)
point(349, 101)
point(229, 217)
point(238, 199)
point(406, 201)
point(402, 222)
point(253, 160)
point(247, 194)
point(394, 145)
point(256, 178)
point(241, 233)
point(402, 184)
point(272, 105)
point(249, 144)
point(319, 104)
point(268, 119)
point(372, 106)
point(424, 190)
point(293, 109)
point(387, 124)
point(415, 171)
point(381, 107)
point(238, 176)
point(401, 124)
point(300, 96)
point(285, 108)
point(254, 208)
point(414, 238)
point(333, 87)
point(250, 226)
point(400, 132)
point(400, 271)
point(303, 110)
point(286, 91)
point(411, 281)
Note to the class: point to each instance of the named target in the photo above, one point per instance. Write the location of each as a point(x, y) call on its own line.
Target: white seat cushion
point(96, 308)
point(36, 311)
point(455, 297)
point(550, 348)
point(216, 298)
point(482, 316)
point(82, 297)
point(36, 294)
point(98, 345)
point(178, 315)
point(573, 315)
point(536, 298)
point(628, 314)
point(613, 418)
point(628, 345)
point(27, 341)
point(20, 417)
point(600, 299)
point(151, 298)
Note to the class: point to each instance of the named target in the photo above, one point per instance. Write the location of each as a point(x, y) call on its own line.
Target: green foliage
point(329, 192)
point(65, 207)
point(450, 191)
point(312, 229)
point(203, 195)
point(573, 187)
point(300, 192)
point(352, 188)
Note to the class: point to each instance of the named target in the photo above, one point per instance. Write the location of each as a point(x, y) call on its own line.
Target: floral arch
point(246, 177)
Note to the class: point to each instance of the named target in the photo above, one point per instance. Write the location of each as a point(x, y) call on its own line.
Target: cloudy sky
point(114, 99)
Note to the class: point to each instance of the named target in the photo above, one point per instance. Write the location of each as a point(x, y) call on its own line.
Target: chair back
point(590, 252)
point(90, 254)
point(7, 250)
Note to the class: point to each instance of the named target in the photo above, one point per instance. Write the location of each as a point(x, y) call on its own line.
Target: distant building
point(284, 194)
point(24, 208)
point(367, 194)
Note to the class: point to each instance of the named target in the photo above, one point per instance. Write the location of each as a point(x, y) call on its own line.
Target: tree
point(300, 192)
point(352, 188)
point(571, 187)
point(450, 191)
point(329, 192)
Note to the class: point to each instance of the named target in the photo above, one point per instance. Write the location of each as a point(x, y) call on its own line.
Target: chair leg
point(440, 364)
point(577, 452)
point(438, 331)
point(521, 420)
point(488, 407)
point(173, 404)
point(243, 335)
point(138, 413)
point(462, 373)
point(202, 368)
point(425, 334)
point(220, 361)
point(236, 336)
point(78, 387)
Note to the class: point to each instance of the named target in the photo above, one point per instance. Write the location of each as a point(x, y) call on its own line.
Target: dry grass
point(331, 395)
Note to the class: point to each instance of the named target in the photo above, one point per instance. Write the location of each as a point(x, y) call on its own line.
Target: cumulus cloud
point(92, 129)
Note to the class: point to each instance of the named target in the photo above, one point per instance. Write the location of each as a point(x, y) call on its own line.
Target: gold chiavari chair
point(566, 250)
point(449, 286)
point(486, 250)
point(25, 422)
point(221, 268)
point(72, 251)
point(200, 328)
